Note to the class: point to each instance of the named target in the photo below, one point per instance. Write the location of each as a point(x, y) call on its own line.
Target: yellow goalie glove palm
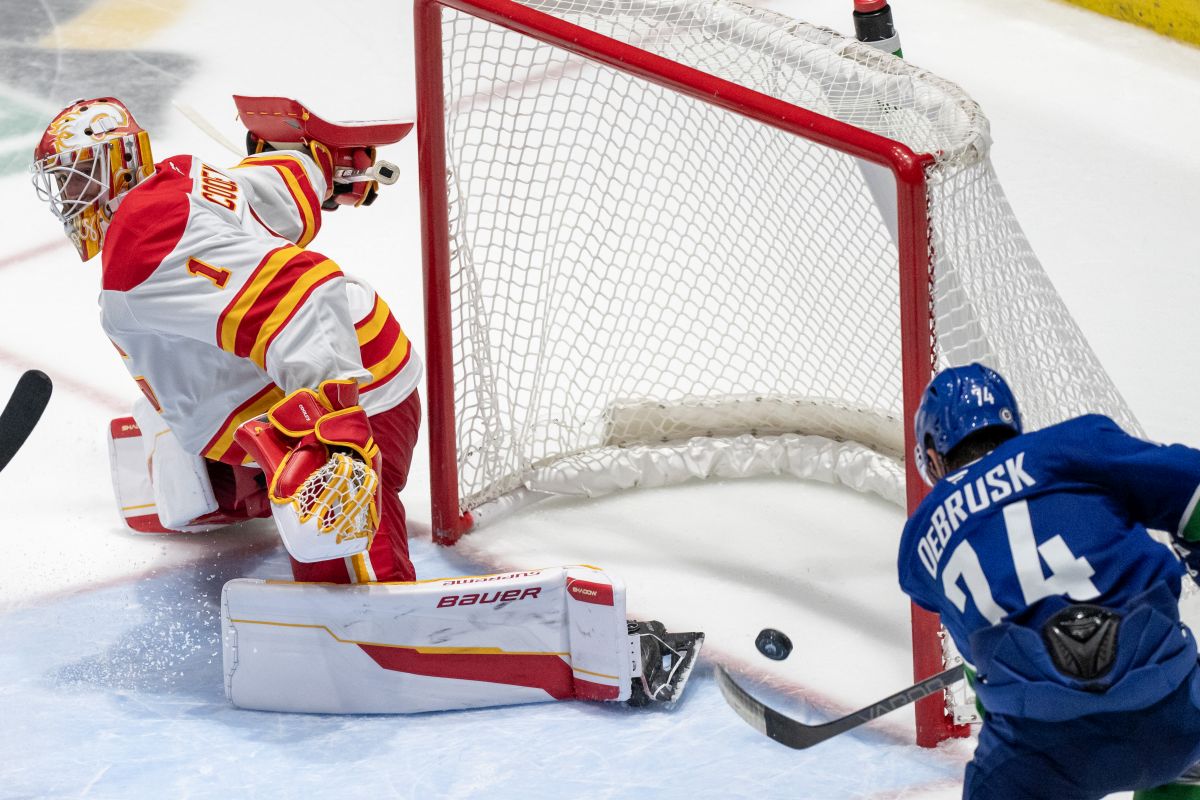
point(339, 498)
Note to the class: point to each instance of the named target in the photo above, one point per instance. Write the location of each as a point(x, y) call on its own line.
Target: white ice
point(110, 675)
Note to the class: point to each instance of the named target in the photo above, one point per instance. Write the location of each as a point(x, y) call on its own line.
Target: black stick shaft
point(23, 411)
point(797, 735)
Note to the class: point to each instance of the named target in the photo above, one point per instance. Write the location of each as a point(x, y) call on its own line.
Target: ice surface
point(109, 647)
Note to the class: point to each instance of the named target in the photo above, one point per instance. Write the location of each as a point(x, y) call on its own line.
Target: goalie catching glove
point(345, 151)
point(351, 171)
point(322, 467)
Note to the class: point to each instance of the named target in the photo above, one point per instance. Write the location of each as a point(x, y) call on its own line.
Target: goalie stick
point(385, 172)
point(23, 411)
point(799, 736)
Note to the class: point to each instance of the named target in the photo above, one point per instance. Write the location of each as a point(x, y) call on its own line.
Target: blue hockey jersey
point(1050, 518)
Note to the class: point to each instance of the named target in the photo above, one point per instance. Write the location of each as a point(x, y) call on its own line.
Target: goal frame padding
point(916, 309)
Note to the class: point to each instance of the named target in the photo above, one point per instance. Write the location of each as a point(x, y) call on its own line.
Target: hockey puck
point(773, 644)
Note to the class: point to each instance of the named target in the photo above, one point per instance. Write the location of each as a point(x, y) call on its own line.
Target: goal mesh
point(617, 245)
point(646, 286)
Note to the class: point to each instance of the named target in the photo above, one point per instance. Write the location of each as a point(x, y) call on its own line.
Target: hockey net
point(668, 240)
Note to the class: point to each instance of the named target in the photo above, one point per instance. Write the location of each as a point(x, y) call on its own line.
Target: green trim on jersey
point(1172, 791)
point(969, 672)
point(1189, 528)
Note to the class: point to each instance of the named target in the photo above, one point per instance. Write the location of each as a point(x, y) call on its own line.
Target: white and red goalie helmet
point(91, 153)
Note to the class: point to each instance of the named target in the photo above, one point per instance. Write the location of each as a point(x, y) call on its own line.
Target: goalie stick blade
point(797, 735)
point(23, 411)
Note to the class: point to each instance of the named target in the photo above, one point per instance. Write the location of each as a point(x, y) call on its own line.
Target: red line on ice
point(31, 252)
point(97, 396)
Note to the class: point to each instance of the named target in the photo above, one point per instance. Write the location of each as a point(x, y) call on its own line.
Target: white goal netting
point(647, 287)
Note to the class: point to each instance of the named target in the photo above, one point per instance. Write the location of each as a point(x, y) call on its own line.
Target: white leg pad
point(451, 643)
point(182, 489)
point(131, 477)
point(141, 500)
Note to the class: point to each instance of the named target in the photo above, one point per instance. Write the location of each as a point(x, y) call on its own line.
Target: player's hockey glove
point(322, 467)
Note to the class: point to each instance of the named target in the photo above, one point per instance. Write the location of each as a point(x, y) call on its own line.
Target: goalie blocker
point(451, 643)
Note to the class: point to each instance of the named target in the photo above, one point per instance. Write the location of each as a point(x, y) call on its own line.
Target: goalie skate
point(662, 662)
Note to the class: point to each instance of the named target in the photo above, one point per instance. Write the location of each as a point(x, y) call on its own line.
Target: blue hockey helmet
point(958, 402)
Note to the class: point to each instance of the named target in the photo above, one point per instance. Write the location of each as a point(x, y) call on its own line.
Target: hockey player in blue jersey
point(1033, 548)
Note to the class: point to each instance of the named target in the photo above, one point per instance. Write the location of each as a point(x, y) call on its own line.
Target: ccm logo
point(494, 597)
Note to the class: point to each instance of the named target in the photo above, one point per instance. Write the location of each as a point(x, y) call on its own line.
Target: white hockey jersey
point(219, 310)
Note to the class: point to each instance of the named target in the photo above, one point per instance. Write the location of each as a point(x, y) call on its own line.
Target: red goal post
point(543, 63)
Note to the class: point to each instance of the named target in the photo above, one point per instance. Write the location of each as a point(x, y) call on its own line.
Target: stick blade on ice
point(22, 413)
point(765, 719)
point(798, 735)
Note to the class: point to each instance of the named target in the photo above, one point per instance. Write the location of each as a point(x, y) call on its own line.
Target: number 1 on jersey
point(218, 275)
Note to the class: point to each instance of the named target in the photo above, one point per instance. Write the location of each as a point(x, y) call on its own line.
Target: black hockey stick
point(23, 411)
point(799, 736)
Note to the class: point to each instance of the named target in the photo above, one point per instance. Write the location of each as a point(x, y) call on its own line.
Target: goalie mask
point(91, 153)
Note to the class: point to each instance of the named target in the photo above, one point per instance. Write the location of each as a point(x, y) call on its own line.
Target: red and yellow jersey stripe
point(275, 291)
point(299, 186)
point(385, 349)
point(222, 447)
